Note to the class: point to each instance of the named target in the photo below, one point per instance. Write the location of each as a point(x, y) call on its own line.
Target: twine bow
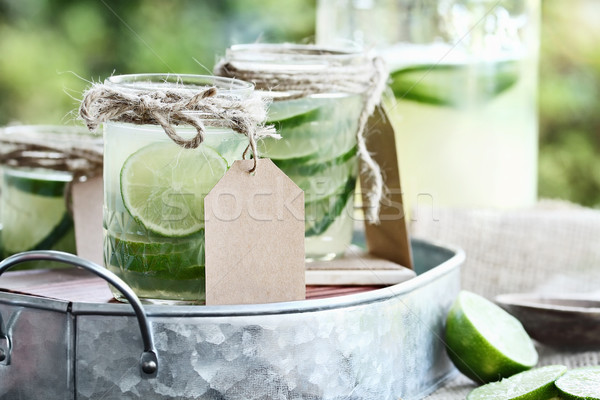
point(177, 106)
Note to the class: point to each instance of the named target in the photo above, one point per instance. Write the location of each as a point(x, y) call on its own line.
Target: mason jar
point(464, 76)
point(318, 128)
point(154, 193)
point(34, 211)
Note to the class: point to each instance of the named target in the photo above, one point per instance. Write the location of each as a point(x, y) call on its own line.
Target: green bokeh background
point(50, 50)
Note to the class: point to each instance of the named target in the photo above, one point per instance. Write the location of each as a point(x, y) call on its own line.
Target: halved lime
point(163, 186)
point(32, 220)
point(580, 383)
point(485, 342)
point(454, 84)
point(536, 384)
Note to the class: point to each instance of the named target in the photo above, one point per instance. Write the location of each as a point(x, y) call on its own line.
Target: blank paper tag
point(254, 237)
point(87, 200)
point(389, 239)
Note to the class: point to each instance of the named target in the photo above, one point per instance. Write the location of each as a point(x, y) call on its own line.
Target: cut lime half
point(580, 383)
point(485, 342)
point(536, 384)
point(163, 186)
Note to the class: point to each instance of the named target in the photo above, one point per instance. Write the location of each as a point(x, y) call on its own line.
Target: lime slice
point(32, 220)
point(580, 383)
point(320, 214)
point(537, 384)
point(453, 84)
point(485, 342)
point(163, 186)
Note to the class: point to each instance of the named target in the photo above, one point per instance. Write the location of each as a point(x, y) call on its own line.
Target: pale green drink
point(154, 195)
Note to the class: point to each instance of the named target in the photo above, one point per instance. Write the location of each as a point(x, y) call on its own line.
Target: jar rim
point(154, 81)
point(295, 52)
point(62, 132)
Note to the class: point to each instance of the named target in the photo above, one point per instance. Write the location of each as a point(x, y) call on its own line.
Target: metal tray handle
point(149, 359)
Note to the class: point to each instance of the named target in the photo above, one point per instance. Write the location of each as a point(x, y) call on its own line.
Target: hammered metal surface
point(383, 344)
point(40, 366)
point(384, 350)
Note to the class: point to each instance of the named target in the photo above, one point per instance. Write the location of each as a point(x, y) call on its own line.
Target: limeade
point(317, 150)
point(34, 214)
point(154, 207)
point(466, 130)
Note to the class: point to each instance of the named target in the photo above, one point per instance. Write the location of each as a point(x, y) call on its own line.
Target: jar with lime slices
point(38, 163)
point(464, 76)
point(317, 114)
point(155, 183)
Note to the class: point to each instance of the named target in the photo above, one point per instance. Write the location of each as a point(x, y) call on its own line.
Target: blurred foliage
point(50, 49)
point(569, 159)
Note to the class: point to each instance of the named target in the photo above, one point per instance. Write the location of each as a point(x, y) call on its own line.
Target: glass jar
point(33, 201)
point(318, 145)
point(464, 75)
point(154, 194)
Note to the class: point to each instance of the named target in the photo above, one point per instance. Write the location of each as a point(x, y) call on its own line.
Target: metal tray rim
point(314, 305)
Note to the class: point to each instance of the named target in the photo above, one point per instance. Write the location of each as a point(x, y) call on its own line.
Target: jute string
point(176, 106)
point(367, 79)
point(72, 153)
point(80, 155)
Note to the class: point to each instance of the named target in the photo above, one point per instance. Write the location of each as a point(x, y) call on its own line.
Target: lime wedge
point(536, 384)
point(580, 383)
point(453, 84)
point(163, 186)
point(35, 218)
point(485, 342)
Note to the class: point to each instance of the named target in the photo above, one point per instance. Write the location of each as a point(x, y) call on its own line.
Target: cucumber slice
point(454, 84)
point(35, 218)
point(320, 214)
point(173, 261)
point(321, 180)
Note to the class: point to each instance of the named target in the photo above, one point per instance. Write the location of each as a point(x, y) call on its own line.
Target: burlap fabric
point(550, 248)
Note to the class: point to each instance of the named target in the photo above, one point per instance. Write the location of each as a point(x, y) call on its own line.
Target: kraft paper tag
point(87, 201)
point(389, 239)
point(254, 237)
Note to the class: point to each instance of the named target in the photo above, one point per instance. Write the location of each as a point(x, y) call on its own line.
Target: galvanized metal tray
point(381, 344)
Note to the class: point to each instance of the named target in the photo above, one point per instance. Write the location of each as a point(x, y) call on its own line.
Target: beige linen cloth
point(551, 248)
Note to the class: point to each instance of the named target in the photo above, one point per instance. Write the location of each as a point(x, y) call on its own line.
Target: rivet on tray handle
point(149, 359)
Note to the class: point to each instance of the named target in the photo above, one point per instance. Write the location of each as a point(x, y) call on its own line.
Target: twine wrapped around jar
point(368, 79)
point(174, 105)
point(38, 148)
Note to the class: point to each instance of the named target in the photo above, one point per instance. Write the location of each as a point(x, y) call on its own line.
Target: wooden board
point(78, 285)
